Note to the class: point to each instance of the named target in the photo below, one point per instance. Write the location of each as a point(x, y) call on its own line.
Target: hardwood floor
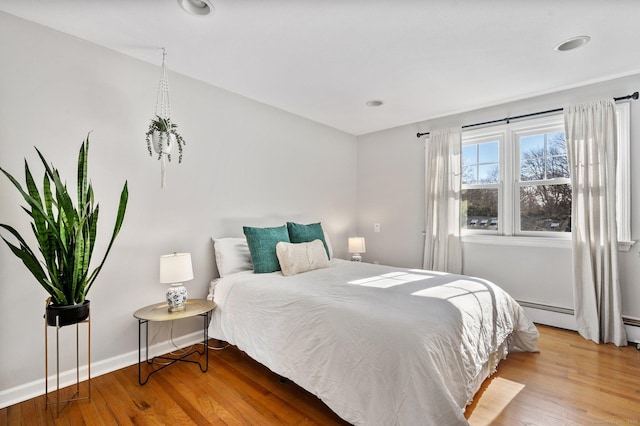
point(570, 382)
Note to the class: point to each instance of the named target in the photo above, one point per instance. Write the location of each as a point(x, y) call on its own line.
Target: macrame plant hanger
point(163, 110)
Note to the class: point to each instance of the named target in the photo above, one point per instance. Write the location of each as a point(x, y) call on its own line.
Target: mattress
point(379, 345)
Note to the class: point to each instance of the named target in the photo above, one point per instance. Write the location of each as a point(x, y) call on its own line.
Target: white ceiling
point(323, 59)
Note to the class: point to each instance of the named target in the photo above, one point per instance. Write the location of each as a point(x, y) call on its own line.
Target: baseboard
point(35, 388)
point(632, 327)
point(563, 318)
point(552, 318)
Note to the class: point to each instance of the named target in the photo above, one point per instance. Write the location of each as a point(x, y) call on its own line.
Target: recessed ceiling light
point(572, 43)
point(197, 7)
point(375, 103)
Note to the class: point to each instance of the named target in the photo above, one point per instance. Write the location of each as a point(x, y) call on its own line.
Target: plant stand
point(76, 396)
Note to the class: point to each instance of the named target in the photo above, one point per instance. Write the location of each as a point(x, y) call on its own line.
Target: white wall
point(245, 163)
point(391, 192)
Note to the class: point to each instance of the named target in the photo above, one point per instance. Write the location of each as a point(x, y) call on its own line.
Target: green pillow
point(306, 233)
point(262, 246)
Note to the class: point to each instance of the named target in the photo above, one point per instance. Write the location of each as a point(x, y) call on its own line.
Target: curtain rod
point(633, 96)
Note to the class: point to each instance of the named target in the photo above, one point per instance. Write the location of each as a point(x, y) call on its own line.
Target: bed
point(379, 345)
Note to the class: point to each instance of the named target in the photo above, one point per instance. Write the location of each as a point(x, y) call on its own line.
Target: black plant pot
point(67, 314)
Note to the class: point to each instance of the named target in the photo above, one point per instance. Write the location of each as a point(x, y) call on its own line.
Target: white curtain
point(442, 248)
point(591, 145)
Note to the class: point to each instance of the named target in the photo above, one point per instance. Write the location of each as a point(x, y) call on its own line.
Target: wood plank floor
point(570, 382)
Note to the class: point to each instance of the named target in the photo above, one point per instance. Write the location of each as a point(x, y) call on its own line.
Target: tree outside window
point(545, 192)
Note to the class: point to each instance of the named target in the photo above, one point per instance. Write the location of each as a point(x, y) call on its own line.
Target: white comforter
point(379, 345)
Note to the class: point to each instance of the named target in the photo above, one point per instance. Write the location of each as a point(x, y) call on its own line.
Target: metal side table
point(159, 313)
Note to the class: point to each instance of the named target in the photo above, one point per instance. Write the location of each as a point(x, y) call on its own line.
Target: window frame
point(488, 135)
point(548, 125)
point(509, 189)
point(623, 176)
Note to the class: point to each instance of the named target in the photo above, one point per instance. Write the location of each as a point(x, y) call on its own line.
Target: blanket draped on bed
point(379, 345)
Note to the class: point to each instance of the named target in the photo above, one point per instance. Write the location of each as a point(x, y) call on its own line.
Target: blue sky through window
point(488, 152)
point(481, 163)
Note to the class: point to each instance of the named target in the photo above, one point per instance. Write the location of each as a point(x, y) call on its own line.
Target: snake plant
point(65, 232)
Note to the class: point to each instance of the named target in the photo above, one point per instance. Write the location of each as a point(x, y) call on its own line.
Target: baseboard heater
point(569, 311)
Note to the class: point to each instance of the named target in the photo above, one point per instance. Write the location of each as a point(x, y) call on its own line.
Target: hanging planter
point(163, 142)
point(162, 135)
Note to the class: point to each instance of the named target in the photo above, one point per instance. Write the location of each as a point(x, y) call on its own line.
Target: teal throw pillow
point(262, 246)
point(306, 233)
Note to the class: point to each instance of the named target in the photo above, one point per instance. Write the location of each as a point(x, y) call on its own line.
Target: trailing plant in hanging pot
point(162, 132)
point(161, 137)
point(65, 233)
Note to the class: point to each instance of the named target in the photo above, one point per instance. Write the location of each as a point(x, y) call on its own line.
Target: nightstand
point(159, 313)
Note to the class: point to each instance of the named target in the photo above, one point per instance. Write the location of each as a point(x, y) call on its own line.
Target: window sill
point(625, 245)
point(504, 240)
point(530, 241)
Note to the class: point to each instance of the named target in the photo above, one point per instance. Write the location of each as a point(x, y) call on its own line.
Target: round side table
point(160, 313)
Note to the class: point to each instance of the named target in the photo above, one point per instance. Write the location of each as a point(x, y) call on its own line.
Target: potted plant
point(65, 233)
point(164, 135)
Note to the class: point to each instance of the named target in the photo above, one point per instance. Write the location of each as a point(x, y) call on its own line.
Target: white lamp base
point(177, 297)
point(356, 257)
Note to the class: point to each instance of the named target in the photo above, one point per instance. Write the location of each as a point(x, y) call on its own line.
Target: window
point(542, 186)
point(515, 179)
point(481, 182)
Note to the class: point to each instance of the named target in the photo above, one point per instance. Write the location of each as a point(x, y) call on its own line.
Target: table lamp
point(356, 246)
point(175, 269)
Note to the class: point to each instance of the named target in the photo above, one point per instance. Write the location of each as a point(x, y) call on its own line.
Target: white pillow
point(301, 257)
point(212, 289)
point(232, 255)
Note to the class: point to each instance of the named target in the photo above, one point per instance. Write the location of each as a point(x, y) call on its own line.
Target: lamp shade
point(356, 245)
point(175, 268)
